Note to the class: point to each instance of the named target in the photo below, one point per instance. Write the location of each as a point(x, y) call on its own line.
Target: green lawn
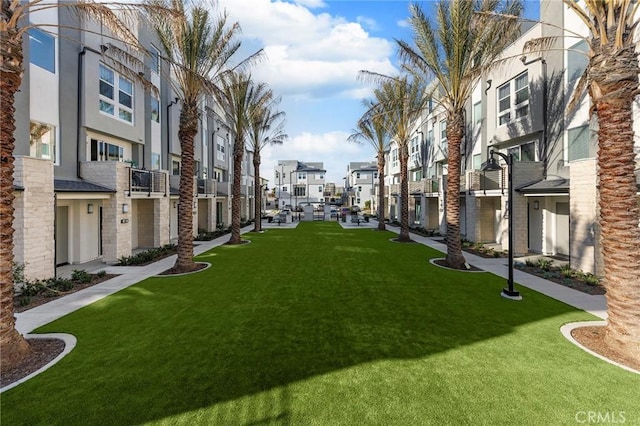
point(320, 325)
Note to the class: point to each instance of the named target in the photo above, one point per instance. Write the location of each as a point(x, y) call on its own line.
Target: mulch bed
point(592, 337)
point(178, 271)
point(20, 302)
point(43, 351)
point(570, 282)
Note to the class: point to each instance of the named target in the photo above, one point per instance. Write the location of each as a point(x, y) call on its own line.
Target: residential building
point(299, 183)
point(98, 177)
point(362, 178)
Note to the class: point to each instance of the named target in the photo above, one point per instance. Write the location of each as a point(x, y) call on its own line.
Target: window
point(320, 189)
point(394, 158)
point(443, 130)
point(359, 189)
point(175, 168)
point(42, 141)
point(42, 50)
point(155, 60)
point(302, 176)
point(104, 151)
point(375, 175)
point(579, 144)
point(300, 190)
point(320, 176)
point(357, 175)
point(518, 90)
point(524, 152)
point(284, 189)
point(577, 60)
point(477, 112)
point(504, 104)
point(220, 151)
point(116, 94)
point(417, 176)
point(477, 162)
point(357, 200)
point(414, 150)
point(155, 109)
point(155, 161)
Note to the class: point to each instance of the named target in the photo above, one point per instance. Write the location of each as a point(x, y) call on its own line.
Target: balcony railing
point(147, 181)
point(431, 185)
point(222, 188)
point(477, 180)
point(206, 187)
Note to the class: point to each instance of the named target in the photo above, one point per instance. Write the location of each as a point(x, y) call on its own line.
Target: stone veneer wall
point(161, 221)
point(584, 233)
point(34, 242)
point(116, 225)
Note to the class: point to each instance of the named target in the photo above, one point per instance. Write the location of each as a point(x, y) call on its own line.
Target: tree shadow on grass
point(265, 316)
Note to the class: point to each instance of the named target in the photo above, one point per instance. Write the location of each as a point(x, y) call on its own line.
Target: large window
point(104, 151)
point(116, 94)
point(155, 161)
point(394, 158)
point(155, 60)
point(577, 60)
point(42, 142)
point(579, 143)
point(477, 162)
point(300, 190)
point(42, 49)
point(524, 152)
point(443, 136)
point(518, 91)
point(414, 150)
point(477, 112)
point(155, 109)
point(220, 151)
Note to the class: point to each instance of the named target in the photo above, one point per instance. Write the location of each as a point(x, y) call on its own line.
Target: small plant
point(566, 271)
point(590, 279)
point(18, 272)
point(544, 264)
point(146, 256)
point(530, 263)
point(24, 301)
point(496, 254)
point(32, 288)
point(101, 274)
point(61, 284)
point(81, 276)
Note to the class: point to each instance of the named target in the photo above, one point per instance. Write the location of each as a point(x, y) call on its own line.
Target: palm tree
point(612, 80)
point(371, 130)
point(14, 24)
point(242, 100)
point(266, 128)
point(198, 48)
point(399, 101)
point(456, 53)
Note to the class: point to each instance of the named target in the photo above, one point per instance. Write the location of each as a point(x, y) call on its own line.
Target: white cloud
point(403, 23)
point(312, 4)
point(309, 55)
point(368, 23)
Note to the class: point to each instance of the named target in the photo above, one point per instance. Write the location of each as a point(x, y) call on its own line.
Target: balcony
point(206, 187)
point(476, 180)
point(147, 181)
point(431, 186)
point(416, 187)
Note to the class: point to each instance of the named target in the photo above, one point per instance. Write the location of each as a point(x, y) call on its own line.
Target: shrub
point(566, 271)
point(530, 263)
point(146, 256)
point(81, 276)
point(544, 264)
point(18, 272)
point(590, 279)
point(32, 288)
point(24, 301)
point(101, 274)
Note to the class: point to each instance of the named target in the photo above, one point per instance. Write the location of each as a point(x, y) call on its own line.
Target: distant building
point(360, 184)
point(299, 183)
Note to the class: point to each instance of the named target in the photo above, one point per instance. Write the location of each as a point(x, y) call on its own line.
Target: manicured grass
point(321, 325)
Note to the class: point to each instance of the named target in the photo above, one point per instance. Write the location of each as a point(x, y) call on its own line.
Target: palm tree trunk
point(619, 208)
point(404, 195)
point(236, 200)
point(257, 190)
point(188, 129)
point(13, 346)
point(454, 247)
point(381, 225)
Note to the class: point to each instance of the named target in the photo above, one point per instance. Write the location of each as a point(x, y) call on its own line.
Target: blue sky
point(314, 50)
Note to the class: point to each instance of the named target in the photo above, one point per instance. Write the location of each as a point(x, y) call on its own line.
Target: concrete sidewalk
point(129, 275)
point(594, 304)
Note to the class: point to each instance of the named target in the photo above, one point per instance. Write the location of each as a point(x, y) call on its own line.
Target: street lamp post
point(510, 292)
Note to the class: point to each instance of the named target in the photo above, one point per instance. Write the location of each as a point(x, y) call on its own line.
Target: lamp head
point(492, 164)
